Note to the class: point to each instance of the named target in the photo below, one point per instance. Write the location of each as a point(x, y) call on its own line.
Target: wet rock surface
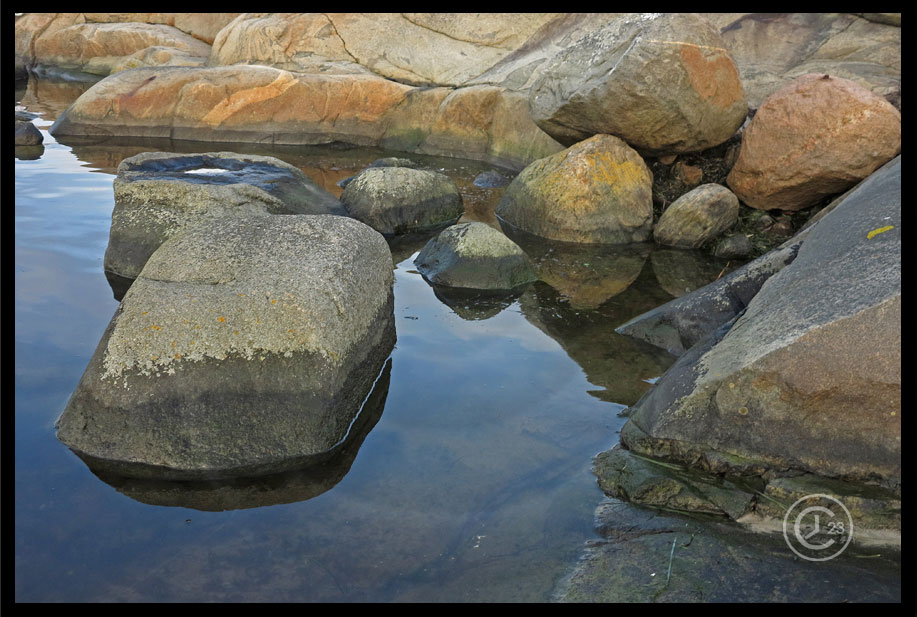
point(245, 347)
point(649, 555)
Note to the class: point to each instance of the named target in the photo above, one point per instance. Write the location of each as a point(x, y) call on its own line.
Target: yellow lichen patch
point(155, 328)
point(743, 411)
point(273, 301)
point(144, 312)
point(221, 319)
point(177, 356)
point(153, 357)
point(235, 332)
point(881, 230)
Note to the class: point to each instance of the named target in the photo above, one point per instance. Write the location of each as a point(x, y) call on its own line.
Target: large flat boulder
point(246, 346)
point(808, 378)
point(158, 194)
point(664, 83)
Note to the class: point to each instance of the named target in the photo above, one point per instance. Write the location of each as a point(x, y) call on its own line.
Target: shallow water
point(472, 481)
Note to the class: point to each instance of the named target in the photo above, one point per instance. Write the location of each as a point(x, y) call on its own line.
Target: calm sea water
point(471, 482)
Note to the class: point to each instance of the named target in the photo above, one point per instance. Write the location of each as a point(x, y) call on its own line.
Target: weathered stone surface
point(474, 256)
point(771, 49)
point(97, 48)
point(267, 105)
point(158, 55)
point(817, 136)
point(27, 134)
point(203, 26)
point(395, 200)
point(697, 217)
point(809, 377)
point(664, 83)
point(245, 347)
point(444, 49)
point(157, 194)
point(598, 191)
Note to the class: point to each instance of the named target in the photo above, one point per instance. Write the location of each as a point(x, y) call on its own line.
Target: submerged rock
point(245, 347)
point(474, 256)
point(157, 194)
point(817, 136)
point(664, 83)
point(596, 192)
point(396, 200)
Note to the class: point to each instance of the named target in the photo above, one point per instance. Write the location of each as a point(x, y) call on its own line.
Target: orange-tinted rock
point(598, 191)
point(664, 83)
point(268, 105)
point(96, 48)
point(817, 136)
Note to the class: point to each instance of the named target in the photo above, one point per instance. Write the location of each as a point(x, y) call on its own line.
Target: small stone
point(735, 246)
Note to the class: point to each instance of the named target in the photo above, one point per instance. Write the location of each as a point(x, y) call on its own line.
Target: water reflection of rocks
point(289, 487)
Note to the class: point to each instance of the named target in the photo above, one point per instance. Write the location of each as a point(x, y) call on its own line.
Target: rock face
point(598, 191)
point(664, 83)
point(444, 49)
point(697, 217)
point(261, 104)
point(396, 200)
point(817, 136)
point(157, 194)
point(809, 377)
point(245, 347)
point(771, 49)
point(474, 256)
point(97, 48)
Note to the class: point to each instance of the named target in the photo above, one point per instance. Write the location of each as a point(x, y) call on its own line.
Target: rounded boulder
point(396, 200)
point(474, 256)
point(598, 191)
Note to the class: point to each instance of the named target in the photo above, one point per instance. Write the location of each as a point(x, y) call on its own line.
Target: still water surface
point(469, 479)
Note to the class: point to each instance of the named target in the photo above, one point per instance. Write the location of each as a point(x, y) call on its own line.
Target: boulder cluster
point(693, 131)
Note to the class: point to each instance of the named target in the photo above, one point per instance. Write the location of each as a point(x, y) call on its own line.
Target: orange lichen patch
point(155, 328)
point(273, 301)
point(235, 332)
point(713, 75)
point(144, 312)
point(221, 319)
point(177, 356)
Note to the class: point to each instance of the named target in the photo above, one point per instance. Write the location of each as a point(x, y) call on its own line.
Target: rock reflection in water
point(586, 275)
point(288, 487)
point(475, 305)
point(51, 97)
point(29, 153)
point(619, 364)
point(680, 271)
